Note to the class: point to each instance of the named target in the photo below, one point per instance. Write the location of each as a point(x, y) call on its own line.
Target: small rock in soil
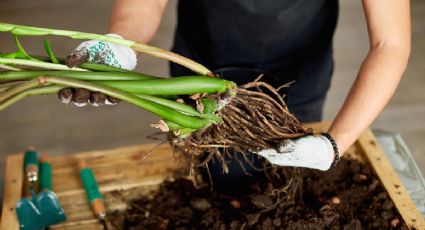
point(200, 204)
point(261, 201)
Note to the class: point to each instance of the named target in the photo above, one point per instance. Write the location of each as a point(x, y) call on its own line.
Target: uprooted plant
point(205, 115)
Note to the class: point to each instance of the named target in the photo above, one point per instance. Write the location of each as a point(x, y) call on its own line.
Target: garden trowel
point(49, 205)
point(44, 209)
point(27, 209)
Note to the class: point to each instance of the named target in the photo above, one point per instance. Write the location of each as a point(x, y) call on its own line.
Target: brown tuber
point(81, 97)
point(65, 95)
point(97, 98)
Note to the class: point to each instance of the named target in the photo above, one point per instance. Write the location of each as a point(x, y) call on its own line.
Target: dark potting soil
point(349, 196)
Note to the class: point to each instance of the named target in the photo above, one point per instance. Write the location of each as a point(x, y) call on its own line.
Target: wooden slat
point(116, 170)
point(91, 224)
point(396, 190)
point(12, 191)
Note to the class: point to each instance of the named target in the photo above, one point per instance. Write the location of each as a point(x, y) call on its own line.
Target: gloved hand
point(102, 53)
point(314, 152)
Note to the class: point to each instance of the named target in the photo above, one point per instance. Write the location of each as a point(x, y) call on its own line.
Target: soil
point(76, 58)
point(349, 196)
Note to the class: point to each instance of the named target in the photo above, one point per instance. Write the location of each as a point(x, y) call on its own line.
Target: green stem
point(173, 86)
point(7, 67)
point(27, 30)
point(17, 89)
point(172, 104)
point(79, 75)
point(103, 68)
point(49, 51)
point(31, 92)
point(90, 66)
point(8, 85)
point(178, 130)
point(173, 57)
point(189, 110)
point(160, 110)
point(37, 64)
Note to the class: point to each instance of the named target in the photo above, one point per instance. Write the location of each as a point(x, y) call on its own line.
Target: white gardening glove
point(102, 53)
point(314, 152)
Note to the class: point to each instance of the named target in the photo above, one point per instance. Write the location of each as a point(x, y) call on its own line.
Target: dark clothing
point(286, 39)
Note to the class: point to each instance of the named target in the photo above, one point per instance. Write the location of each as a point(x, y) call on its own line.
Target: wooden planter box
point(143, 169)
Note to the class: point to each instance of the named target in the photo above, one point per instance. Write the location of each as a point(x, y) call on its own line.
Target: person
point(288, 40)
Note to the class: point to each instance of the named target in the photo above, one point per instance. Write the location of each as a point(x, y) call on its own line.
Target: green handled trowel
point(49, 205)
point(27, 209)
point(44, 209)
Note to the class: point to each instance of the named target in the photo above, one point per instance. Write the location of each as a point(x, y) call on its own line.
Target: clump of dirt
point(349, 196)
point(77, 57)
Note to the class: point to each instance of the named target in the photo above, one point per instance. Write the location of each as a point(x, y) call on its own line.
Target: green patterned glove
point(103, 53)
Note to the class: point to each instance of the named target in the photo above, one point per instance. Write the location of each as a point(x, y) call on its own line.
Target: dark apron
point(286, 39)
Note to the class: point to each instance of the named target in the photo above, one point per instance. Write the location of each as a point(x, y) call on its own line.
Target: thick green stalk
point(7, 67)
point(31, 92)
point(79, 75)
point(37, 64)
point(160, 110)
point(103, 68)
point(89, 65)
point(17, 89)
point(157, 52)
point(173, 57)
point(189, 110)
point(173, 86)
point(172, 104)
point(24, 92)
point(7, 85)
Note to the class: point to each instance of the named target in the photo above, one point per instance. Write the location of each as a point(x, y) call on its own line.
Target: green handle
point(30, 158)
point(31, 165)
point(45, 182)
point(90, 185)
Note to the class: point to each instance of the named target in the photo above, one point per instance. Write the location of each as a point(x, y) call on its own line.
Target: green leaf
point(210, 105)
point(8, 55)
point(21, 53)
point(49, 51)
point(179, 130)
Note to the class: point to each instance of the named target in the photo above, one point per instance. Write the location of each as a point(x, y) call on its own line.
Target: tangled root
point(252, 121)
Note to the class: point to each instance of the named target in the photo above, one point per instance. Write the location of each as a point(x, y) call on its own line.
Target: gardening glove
point(102, 53)
point(316, 152)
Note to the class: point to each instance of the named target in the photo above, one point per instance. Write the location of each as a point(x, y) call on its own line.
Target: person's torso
point(222, 33)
